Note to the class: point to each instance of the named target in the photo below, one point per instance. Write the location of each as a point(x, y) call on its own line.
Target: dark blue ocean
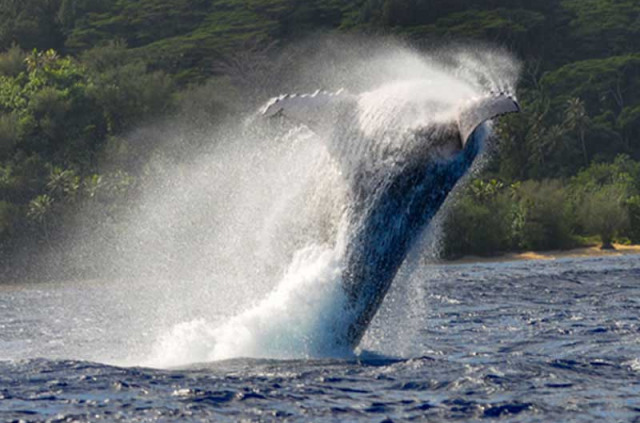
point(537, 341)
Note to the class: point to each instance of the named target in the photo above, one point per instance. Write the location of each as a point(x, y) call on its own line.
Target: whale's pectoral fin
point(475, 113)
point(318, 111)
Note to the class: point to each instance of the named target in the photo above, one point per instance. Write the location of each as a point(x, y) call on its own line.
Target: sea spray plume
point(283, 205)
point(401, 154)
point(384, 157)
point(216, 231)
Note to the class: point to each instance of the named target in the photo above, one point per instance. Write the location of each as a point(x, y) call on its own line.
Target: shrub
point(127, 92)
point(8, 134)
point(12, 62)
point(633, 210)
point(479, 222)
point(603, 199)
point(9, 214)
point(544, 218)
point(603, 212)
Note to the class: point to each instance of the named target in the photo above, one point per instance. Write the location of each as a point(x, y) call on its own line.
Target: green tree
point(124, 89)
point(603, 27)
point(40, 208)
point(63, 184)
point(9, 217)
point(30, 24)
point(12, 62)
point(576, 119)
point(543, 218)
point(602, 212)
point(608, 90)
point(479, 221)
point(602, 195)
point(633, 208)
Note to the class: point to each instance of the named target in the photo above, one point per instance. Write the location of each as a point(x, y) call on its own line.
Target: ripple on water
point(545, 349)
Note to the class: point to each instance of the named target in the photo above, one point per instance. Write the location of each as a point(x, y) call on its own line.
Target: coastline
point(593, 251)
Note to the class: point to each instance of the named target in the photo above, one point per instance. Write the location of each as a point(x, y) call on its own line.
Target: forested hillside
point(76, 75)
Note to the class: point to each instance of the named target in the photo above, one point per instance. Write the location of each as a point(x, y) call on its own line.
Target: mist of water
point(237, 252)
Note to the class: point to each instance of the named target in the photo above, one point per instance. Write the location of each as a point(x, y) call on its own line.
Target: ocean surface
point(538, 341)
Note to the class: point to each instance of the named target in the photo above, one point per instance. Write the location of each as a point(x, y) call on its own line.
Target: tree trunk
point(584, 148)
point(607, 242)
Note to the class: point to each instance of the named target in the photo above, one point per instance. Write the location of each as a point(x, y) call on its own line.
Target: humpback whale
point(397, 179)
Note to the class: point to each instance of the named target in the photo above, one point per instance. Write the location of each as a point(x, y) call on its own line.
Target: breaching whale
point(397, 179)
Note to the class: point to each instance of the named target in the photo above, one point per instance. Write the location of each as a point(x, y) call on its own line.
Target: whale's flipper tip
point(476, 112)
point(316, 110)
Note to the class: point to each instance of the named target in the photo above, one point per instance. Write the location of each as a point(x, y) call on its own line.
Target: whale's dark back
point(390, 224)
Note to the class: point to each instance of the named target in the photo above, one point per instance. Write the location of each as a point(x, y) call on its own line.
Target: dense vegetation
point(75, 75)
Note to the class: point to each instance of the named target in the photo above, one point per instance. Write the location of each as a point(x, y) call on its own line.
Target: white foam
point(303, 317)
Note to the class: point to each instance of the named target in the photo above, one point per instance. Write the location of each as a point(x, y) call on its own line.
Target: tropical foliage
point(75, 75)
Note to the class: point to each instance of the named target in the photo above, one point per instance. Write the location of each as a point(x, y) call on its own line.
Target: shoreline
point(593, 251)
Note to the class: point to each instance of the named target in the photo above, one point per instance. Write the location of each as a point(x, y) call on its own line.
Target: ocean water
point(536, 341)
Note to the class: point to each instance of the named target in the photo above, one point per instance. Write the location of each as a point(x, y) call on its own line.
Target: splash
point(299, 319)
point(300, 308)
point(239, 248)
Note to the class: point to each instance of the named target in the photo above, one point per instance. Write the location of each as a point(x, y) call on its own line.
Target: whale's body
point(397, 182)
